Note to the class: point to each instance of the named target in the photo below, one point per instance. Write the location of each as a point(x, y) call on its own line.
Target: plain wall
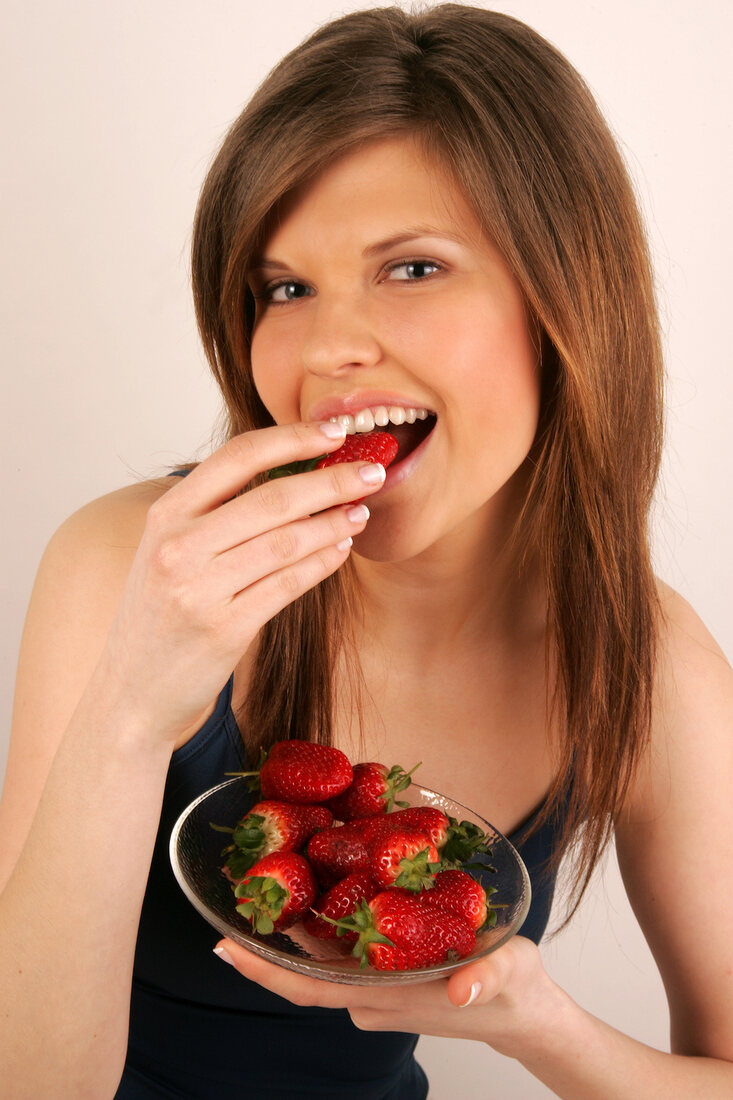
point(112, 114)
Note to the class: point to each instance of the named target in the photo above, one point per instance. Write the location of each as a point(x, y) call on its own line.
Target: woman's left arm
point(675, 850)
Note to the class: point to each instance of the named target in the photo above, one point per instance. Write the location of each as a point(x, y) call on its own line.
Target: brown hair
point(525, 139)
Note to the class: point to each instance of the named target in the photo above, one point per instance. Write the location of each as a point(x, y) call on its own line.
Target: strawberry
point(375, 446)
point(272, 826)
point(276, 892)
point(336, 852)
point(365, 447)
point(340, 901)
point(459, 843)
point(372, 791)
point(300, 771)
point(427, 819)
point(458, 892)
point(396, 930)
point(405, 858)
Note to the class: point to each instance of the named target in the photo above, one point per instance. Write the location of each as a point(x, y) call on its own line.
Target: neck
point(463, 592)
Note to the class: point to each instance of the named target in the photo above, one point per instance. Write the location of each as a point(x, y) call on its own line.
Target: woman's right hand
point(216, 563)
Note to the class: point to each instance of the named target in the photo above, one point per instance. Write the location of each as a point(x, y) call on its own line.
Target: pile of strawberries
point(326, 846)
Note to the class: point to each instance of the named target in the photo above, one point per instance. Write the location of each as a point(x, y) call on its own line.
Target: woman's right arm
point(143, 605)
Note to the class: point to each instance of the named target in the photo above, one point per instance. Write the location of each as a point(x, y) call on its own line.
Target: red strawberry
point(406, 858)
point(458, 892)
point(372, 791)
point(375, 446)
point(301, 771)
point(272, 827)
point(385, 956)
point(365, 447)
point(397, 931)
point(427, 819)
point(336, 852)
point(340, 901)
point(276, 892)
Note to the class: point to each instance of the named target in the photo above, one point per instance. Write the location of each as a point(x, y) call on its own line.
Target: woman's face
point(378, 291)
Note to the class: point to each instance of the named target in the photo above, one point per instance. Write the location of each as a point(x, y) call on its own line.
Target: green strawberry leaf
point(465, 840)
point(416, 872)
point(302, 466)
point(239, 862)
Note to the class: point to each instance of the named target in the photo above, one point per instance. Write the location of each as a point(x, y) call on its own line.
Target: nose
point(341, 338)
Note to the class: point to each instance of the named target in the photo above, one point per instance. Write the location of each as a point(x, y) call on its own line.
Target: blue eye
point(287, 291)
point(414, 270)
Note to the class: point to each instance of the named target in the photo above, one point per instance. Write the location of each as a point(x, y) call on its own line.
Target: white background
point(112, 114)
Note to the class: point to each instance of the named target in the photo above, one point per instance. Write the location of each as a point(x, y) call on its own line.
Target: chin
point(390, 536)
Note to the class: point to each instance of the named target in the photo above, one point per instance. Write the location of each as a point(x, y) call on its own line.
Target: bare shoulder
point(693, 704)
point(673, 838)
point(77, 589)
point(685, 640)
point(85, 565)
point(80, 580)
point(694, 678)
point(112, 522)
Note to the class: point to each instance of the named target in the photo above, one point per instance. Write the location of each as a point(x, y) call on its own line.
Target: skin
point(144, 587)
point(341, 315)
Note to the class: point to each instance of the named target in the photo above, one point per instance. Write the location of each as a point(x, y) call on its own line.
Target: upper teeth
point(368, 419)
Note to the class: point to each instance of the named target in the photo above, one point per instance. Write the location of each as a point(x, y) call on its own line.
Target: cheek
point(497, 364)
point(274, 376)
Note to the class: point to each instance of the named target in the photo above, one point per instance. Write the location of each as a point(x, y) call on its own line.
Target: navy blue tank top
point(198, 1029)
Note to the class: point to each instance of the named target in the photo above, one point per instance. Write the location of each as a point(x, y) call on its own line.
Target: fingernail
point(331, 430)
point(358, 514)
point(344, 544)
point(373, 473)
point(475, 990)
point(224, 955)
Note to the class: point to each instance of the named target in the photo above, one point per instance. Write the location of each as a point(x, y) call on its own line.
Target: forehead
point(388, 184)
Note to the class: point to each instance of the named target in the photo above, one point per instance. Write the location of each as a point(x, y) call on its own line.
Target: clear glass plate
point(195, 853)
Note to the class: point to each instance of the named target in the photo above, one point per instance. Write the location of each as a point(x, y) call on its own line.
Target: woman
point(414, 212)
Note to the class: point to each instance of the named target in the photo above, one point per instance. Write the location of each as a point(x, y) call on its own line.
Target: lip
point(365, 399)
point(400, 471)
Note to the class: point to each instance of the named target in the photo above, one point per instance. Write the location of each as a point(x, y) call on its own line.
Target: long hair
point(521, 133)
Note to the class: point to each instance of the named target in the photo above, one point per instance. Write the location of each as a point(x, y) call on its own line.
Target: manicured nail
point(224, 955)
point(344, 544)
point(373, 473)
point(358, 514)
point(475, 990)
point(331, 430)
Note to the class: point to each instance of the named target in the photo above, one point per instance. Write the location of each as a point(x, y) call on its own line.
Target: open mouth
point(409, 426)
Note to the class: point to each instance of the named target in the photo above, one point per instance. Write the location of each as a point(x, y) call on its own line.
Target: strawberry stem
point(397, 779)
point(360, 922)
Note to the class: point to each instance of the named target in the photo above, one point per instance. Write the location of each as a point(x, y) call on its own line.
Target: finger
point(296, 988)
point(285, 500)
point(263, 599)
point(480, 982)
point(244, 565)
point(230, 468)
point(362, 1001)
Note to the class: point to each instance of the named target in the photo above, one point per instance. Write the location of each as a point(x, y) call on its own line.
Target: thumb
point(479, 982)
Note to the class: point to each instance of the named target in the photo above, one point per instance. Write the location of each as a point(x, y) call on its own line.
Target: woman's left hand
point(499, 999)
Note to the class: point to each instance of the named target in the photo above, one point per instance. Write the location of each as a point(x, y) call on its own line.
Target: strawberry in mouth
point(383, 435)
point(410, 426)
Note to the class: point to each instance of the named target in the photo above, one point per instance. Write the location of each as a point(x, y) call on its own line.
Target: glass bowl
point(195, 853)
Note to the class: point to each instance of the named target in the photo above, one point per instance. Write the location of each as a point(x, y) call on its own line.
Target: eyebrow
point(410, 234)
point(263, 263)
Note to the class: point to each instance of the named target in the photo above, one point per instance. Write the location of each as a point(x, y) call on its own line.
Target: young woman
point(415, 212)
